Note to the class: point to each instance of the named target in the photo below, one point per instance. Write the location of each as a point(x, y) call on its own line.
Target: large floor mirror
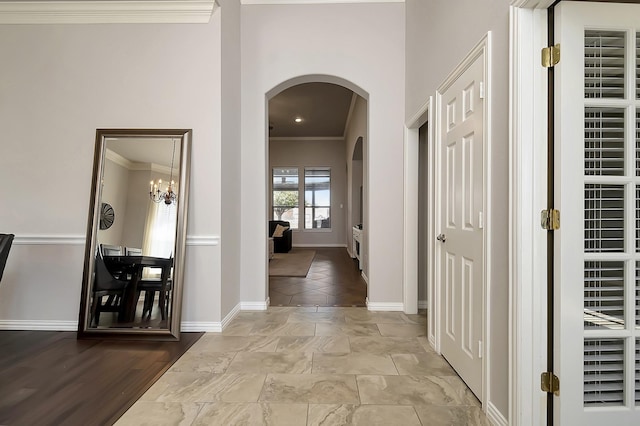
point(136, 232)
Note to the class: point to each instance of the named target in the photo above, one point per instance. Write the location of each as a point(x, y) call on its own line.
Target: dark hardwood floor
point(333, 280)
point(51, 378)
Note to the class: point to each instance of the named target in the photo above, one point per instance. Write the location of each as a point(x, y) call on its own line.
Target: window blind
point(603, 218)
point(604, 295)
point(604, 141)
point(603, 372)
point(604, 53)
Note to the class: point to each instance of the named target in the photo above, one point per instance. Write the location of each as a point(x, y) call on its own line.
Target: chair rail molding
point(59, 239)
point(107, 12)
point(203, 240)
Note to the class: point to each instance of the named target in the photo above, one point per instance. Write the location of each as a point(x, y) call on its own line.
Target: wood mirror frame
point(169, 326)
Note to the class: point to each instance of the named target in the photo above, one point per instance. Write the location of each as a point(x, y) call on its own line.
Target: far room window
point(317, 197)
point(285, 195)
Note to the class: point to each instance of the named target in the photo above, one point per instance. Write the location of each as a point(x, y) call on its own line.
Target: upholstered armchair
point(281, 243)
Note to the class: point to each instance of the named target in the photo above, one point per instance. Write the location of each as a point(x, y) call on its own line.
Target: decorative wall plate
point(107, 216)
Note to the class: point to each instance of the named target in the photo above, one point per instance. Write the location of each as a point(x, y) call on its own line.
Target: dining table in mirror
point(136, 234)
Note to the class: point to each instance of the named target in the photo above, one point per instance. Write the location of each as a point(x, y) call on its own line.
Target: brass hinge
point(550, 219)
point(550, 383)
point(550, 56)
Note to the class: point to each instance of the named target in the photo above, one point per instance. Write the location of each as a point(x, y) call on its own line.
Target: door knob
point(442, 238)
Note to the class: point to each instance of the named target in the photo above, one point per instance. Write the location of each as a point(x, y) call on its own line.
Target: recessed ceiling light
point(298, 120)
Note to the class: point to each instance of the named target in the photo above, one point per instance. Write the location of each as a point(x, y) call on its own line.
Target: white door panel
point(597, 174)
point(462, 194)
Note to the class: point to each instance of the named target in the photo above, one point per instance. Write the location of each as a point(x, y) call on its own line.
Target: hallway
point(332, 280)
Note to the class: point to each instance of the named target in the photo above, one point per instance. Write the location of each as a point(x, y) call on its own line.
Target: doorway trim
point(411, 167)
point(527, 194)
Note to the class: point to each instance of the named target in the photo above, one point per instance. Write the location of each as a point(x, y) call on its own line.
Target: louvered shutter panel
point(608, 184)
point(638, 65)
point(637, 387)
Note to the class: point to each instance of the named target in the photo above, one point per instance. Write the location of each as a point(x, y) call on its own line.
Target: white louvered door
point(597, 249)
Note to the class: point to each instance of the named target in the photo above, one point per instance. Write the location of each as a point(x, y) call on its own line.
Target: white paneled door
point(461, 266)
point(597, 190)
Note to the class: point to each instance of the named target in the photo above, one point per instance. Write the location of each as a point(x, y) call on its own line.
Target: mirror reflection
point(138, 201)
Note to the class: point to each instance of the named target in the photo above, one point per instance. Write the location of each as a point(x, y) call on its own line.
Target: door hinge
point(550, 219)
point(550, 383)
point(550, 56)
point(482, 90)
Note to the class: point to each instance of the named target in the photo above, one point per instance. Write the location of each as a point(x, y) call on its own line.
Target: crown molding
point(118, 159)
point(305, 138)
point(532, 4)
point(317, 1)
point(107, 12)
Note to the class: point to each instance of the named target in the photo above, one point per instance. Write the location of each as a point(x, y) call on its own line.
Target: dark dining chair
point(5, 246)
point(105, 284)
point(150, 286)
point(131, 251)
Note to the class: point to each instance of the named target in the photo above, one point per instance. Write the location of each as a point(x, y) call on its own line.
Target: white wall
point(112, 193)
point(439, 35)
point(316, 153)
point(58, 83)
point(364, 44)
point(137, 213)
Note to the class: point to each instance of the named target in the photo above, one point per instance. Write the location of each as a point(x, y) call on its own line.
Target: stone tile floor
point(311, 366)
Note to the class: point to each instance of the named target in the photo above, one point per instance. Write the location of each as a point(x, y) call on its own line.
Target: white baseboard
point(423, 304)
point(210, 327)
point(254, 306)
point(495, 417)
point(230, 316)
point(206, 326)
point(319, 245)
point(383, 306)
point(39, 325)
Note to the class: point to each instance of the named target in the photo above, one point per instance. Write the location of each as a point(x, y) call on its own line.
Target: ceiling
point(322, 107)
point(146, 150)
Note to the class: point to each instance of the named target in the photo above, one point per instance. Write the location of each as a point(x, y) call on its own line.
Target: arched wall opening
point(355, 155)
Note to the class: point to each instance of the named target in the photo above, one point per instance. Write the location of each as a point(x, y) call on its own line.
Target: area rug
point(296, 263)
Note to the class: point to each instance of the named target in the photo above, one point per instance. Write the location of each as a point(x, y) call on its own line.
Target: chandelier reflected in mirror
point(169, 195)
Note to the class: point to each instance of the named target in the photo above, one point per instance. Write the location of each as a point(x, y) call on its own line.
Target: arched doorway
point(311, 139)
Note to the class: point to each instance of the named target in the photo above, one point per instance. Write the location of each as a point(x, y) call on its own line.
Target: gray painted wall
point(439, 35)
point(231, 176)
point(59, 83)
point(364, 45)
point(306, 153)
